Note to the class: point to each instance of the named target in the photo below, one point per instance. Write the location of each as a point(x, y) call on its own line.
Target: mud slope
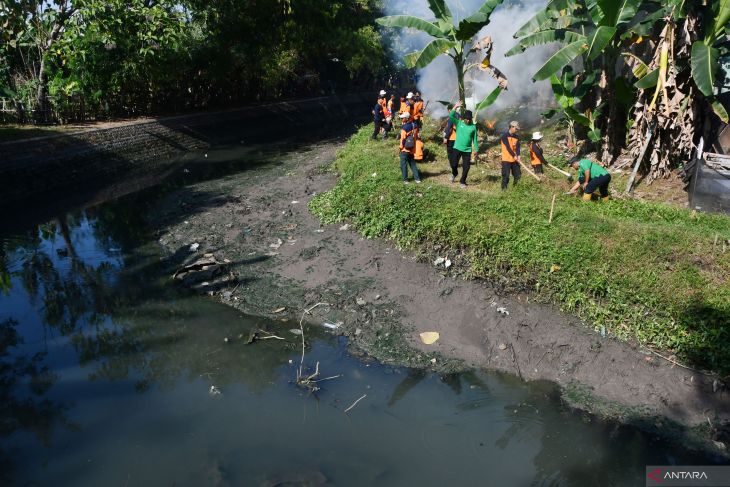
point(281, 257)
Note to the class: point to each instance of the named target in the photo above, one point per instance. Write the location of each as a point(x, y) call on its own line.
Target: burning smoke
point(438, 80)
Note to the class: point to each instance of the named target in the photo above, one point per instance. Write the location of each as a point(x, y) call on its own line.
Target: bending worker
point(591, 176)
point(511, 155)
point(466, 142)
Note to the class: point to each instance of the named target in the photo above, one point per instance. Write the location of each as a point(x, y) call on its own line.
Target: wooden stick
point(552, 208)
point(564, 173)
point(530, 172)
point(355, 403)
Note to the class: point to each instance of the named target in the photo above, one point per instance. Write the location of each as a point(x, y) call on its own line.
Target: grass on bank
point(637, 270)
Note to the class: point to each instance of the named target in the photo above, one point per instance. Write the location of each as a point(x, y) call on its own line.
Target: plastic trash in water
point(331, 326)
point(194, 247)
point(503, 311)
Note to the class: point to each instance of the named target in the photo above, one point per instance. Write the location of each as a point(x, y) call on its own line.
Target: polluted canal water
point(114, 375)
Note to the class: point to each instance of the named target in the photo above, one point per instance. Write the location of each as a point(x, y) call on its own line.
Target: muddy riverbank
point(281, 261)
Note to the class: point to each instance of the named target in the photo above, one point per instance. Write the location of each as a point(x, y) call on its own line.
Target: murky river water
point(110, 375)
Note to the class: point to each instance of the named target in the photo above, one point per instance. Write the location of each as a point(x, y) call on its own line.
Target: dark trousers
point(406, 160)
point(537, 169)
point(507, 168)
point(451, 155)
point(376, 130)
point(465, 164)
point(600, 183)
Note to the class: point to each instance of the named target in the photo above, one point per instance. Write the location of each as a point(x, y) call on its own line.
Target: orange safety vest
point(403, 135)
point(452, 136)
point(383, 104)
point(390, 108)
point(418, 110)
point(534, 160)
point(513, 142)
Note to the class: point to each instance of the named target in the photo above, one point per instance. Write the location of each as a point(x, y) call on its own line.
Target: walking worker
point(449, 139)
point(378, 118)
point(591, 176)
point(466, 143)
point(511, 155)
point(537, 159)
point(408, 137)
point(388, 112)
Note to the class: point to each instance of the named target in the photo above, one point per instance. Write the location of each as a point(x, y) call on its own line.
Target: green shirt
point(466, 135)
point(596, 169)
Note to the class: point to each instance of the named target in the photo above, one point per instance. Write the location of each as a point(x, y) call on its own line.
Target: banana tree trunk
point(459, 65)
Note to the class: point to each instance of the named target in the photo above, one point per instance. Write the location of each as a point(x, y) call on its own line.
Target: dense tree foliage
point(151, 56)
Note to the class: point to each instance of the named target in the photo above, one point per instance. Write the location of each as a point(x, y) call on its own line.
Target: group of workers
point(461, 140)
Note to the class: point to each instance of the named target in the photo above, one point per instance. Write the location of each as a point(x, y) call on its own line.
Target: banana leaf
point(720, 111)
point(410, 22)
point(545, 37)
point(599, 40)
point(489, 99)
point(440, 10)
point(704, 66)
point(648, 81)
point(640, 69)
point(560, 59)
point(433, 49)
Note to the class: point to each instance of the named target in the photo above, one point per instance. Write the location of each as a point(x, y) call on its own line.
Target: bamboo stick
point(530, 172)
point(552, 209)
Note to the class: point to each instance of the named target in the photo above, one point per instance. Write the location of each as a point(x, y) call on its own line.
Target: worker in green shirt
point(591, 176)
point(466, 143)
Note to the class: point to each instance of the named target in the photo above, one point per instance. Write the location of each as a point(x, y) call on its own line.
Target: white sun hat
point(537, 136)
point(409, 95)
point(382, 93)
point(405, 115)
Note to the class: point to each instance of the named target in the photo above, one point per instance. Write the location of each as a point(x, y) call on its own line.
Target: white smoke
point(438, 80)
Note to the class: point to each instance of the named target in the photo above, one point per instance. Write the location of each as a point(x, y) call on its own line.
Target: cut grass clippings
point(637, 270)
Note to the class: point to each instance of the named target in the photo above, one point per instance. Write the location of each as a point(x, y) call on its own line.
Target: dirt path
point(282, 257)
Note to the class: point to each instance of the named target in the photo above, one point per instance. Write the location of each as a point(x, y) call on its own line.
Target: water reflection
point(105, 368)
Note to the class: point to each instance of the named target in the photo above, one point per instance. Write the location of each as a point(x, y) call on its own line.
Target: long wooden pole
point(565, 173)
point(530, 172)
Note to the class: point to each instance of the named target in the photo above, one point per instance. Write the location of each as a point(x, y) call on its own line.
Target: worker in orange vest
point(511, 154)
point(537, 159)
point(408, 137)
point(418, 109)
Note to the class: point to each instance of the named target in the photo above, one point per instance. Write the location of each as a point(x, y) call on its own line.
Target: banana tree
point(592, 31)
point(569, 90)
point(451, 40)
point(706, 53)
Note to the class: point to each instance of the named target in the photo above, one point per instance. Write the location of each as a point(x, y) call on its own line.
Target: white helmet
point(382, 93)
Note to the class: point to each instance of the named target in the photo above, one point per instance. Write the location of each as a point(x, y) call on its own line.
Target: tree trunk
point(459, 64)
point(42, 95)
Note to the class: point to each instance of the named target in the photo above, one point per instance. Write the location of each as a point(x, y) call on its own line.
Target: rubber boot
point(605, 198)
point(587, 197)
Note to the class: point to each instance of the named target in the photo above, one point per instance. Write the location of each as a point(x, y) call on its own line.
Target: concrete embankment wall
point(42, 167)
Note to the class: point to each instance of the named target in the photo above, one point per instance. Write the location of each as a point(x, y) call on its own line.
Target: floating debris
point(279, 310)
point(202, 269)
point(276, 244)
point(194, 247)
point(332, 326)
point(503, 311)
point(361, 301)
point(447, 264)
point(214, 391)
point(430, 337)
point(295, 202)
point(295, 331)
point(439, 261)
point(502, 346)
